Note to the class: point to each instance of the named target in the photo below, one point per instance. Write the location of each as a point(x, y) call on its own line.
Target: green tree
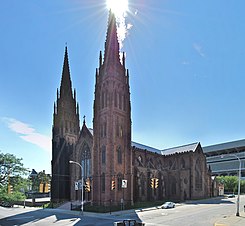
point(10, 166)
point(12, 172)
point(243, 186)
point(230, 183)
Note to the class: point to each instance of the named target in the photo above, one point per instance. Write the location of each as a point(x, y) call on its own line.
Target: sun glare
point(118, 7)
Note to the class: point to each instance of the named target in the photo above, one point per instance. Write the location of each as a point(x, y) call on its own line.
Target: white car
point(168, 205)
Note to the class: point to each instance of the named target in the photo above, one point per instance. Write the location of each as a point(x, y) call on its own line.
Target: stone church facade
point(182, 173)
point(115, 168)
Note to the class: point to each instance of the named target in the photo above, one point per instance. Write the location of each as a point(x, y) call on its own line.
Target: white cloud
point(19, 127)
point(29, 134)
point(198, 49)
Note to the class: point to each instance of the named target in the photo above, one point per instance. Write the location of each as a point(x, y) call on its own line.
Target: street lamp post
point(82, 180)
point(239, 184)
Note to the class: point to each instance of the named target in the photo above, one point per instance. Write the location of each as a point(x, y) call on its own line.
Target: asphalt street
point(202, 213)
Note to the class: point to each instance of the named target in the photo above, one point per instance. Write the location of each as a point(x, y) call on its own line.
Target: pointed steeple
point(66, 114)
point(66, 87)
point(111, 45)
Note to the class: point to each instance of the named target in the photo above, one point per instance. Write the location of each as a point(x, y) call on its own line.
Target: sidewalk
point(232, 220)
point(66, 208)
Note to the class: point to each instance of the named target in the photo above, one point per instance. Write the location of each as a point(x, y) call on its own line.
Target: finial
point(84, 120)
point(100, 58)
point(66, 47)
point(123, 59)
point(77, 109)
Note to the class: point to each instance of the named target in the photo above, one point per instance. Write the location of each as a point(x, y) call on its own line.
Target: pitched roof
point(180, 149)
point(91, 131)
point(169, 151)
point(145, 147)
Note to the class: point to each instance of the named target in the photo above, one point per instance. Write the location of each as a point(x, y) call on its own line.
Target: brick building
point(117, 168)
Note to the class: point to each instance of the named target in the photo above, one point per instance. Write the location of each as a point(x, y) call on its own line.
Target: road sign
point(124, 183)
point(80, 184)
point(76, 185)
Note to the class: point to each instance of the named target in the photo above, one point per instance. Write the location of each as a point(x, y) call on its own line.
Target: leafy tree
point(16, 196)
point(242, 186)
point(230, 183)
point(11, 167)
point(12, 170)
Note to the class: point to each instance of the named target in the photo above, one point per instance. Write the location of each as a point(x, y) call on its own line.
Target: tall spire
point(66, 87)
point(111, 45)
point(66, 113)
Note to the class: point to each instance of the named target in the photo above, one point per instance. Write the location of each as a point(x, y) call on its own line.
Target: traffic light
point(10, 189)
point(87, 185)
point(152, 182)
point(113, 185)
point(47, 187)
point(41, 185)
point(156, 182)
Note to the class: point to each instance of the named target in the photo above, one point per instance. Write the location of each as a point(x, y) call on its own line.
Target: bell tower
point(112, 156)
point(65, 135)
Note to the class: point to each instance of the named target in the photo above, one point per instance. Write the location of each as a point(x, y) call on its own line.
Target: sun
point(118, 7)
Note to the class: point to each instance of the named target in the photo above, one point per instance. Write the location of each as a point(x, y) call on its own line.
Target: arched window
point(140, 161)
point(103, 154)
point(198, 177)
point(115, 99)
point(101, 130)
point(173, 186)
point(120, 101)
point(86, 161)
point(119, 155)
point(120, 131)
point(117, 126)
point(103, 182)
point(106, 98)
point(104, 129)
point(103, 100)
point(124, 103)
point(142, 183)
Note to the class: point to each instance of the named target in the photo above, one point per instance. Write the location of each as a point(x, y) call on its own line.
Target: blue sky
point(185, 58)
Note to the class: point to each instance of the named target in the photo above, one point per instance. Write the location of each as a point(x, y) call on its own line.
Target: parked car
point(168, 205)
point(231, 196)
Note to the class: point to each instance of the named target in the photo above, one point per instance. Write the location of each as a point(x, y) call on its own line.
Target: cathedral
point(111, 168)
